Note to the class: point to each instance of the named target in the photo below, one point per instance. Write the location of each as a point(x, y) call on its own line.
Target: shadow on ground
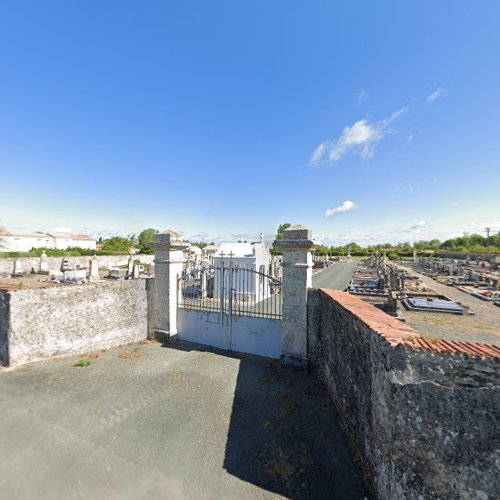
point(283, 434)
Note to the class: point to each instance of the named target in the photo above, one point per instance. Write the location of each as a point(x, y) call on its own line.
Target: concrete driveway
point(146, 421)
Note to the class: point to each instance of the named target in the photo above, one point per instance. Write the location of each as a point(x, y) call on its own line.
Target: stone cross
point(296, 245)
point(169, 261)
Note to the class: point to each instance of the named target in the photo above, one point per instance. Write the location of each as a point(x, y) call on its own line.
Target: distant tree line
point(474, 243)
point(119, 245)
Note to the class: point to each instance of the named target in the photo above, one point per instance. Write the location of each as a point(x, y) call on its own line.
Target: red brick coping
point(398, 333)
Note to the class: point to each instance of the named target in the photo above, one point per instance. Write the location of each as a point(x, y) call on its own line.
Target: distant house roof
point(18, 233)
point(81, 237)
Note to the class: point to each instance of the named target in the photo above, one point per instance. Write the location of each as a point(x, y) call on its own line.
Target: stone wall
point(41, 323)
point(422, 416)
point(28, 263)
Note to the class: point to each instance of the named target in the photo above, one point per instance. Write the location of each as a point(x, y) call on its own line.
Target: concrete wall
point(41, 323)
point(261, 336)
point(7, 264)
point(424, 424)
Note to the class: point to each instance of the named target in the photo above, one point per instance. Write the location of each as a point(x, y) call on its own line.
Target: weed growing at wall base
point(82, 363)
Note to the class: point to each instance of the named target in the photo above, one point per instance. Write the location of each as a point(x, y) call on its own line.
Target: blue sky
point(366, 121)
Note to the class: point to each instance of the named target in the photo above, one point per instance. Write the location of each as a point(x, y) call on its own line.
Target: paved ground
point(483, 327)
point(335, 277)
point(145, 421)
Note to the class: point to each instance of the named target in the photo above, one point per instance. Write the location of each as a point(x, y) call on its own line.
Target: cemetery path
point(146, 421)
point(335, 277)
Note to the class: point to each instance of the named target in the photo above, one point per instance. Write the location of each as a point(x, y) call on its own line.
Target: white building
point(248, 264)
point(209, 251)
point(23, 241)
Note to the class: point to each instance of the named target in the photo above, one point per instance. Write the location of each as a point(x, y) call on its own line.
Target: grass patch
point(432, 338)
point(82, 363)
point(436, 321)
point(485, 328)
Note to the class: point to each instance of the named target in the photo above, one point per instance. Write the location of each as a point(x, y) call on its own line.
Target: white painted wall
point(21, 243)
point(260, 336)
point(247, 286)
point(24, 243)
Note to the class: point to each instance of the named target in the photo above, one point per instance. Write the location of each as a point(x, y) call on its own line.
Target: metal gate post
point(230, 310)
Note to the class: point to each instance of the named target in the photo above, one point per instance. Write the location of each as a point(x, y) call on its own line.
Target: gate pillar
point(169, 260)
point(297, 278)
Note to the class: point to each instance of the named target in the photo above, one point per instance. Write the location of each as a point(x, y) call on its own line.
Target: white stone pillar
point(297, 278)
point(169, 261)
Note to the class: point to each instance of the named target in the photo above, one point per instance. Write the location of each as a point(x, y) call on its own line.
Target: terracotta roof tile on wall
point(7, 287)
point(397, 333)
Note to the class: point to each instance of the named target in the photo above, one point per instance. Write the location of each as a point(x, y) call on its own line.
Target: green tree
point(146, 237)
point(281, 230)
point(117, 245)
point(322, 250)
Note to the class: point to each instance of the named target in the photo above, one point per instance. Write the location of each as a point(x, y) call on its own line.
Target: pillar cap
point(297, 238)
point(169, 240)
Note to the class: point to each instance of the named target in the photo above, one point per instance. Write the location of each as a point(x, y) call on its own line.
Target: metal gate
point(231, 305)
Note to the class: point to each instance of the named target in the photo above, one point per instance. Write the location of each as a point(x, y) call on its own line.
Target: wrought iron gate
point(229, 290)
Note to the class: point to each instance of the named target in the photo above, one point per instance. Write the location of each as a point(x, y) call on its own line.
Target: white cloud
point(345, 207)
point(436, 94)
point(360, 138)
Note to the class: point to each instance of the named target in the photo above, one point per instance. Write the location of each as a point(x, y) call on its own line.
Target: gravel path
point(483, 326)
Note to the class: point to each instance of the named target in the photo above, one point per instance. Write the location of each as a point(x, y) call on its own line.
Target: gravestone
point(94, 269)
point(135, 272)
point(18, 268)
point(43, 266)
point(75, 276)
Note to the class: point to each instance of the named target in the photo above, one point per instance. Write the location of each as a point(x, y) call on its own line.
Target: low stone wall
point(41, 323)
point(29, 263)
point(422, 416)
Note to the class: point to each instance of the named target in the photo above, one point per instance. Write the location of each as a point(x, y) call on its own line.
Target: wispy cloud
point(418, 225)
point(347, 206)
point(436, 94)
point(360, 138)
point(403, 188)
point(362, 96)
